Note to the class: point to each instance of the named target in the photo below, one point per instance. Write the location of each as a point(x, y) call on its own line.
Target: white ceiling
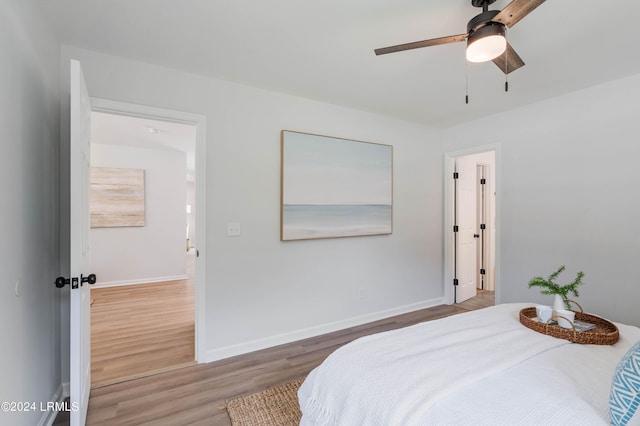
point(114, 129)
point(324, 49)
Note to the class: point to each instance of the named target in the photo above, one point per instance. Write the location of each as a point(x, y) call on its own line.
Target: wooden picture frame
point(334, 187)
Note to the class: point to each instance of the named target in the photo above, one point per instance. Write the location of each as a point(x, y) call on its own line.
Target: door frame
point(483, 213)
point(449, 166)
point(199, 121)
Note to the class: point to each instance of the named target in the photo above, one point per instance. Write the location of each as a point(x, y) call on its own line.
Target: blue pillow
point(625, 391)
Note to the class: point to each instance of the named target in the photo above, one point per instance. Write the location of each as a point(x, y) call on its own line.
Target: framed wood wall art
point(333, 187)
point(117, 197)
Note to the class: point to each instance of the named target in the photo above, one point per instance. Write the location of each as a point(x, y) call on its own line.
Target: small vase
point(558, 304)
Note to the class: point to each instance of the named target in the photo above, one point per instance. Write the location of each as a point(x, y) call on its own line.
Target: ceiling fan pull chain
point(466, 82)
point(506, 65)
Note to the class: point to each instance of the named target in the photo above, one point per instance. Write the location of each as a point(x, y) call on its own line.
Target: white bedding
point(481, 367)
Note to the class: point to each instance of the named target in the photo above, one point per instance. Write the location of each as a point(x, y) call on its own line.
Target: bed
point(480, 367)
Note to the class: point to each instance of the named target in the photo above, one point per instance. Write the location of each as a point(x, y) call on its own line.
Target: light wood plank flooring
point(483, 299)
point(143, 329)
point(196, 394)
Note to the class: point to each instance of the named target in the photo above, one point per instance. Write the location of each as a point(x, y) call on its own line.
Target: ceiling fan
point(485, 35)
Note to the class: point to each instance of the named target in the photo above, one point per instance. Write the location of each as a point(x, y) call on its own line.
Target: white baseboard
point(139, 281)
point(48, 417)
point(280, 339)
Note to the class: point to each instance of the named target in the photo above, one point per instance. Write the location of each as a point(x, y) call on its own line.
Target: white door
point(466, 261)
point(80, 260)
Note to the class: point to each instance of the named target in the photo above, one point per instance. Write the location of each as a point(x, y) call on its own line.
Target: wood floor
point(143, 329)
point(196, 395)
point(483, 299)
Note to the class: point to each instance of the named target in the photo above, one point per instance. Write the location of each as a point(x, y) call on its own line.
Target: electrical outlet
point(361, 293)
point(233, 229)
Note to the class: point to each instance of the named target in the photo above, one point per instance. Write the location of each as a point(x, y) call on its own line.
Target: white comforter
point(481, 367)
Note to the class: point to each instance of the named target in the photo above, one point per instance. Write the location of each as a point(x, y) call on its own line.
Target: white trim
point(49, 416)
point(199, 121)
point(139, 281)
point(293, 336)
point(449, 158)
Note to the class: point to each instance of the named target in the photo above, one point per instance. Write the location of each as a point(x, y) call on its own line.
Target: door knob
point(62, 281)
point(476, 235)
point(91, 279)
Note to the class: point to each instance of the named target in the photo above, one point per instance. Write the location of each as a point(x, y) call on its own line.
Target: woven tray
point(605, 333)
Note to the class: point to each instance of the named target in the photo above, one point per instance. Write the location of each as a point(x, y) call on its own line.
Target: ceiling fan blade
point(515, 11)
point(509, 61)
point(423, 43)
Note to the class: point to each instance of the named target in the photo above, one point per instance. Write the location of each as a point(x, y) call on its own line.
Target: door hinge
point(483, 271)
point(455, 281)
point(483, 226)
point(455, 175)
point(483, 181)
point(455, 228)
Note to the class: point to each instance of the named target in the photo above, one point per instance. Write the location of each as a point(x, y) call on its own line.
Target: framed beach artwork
point(333, 187)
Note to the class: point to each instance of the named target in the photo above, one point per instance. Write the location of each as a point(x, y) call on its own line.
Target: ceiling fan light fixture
point(486, 43)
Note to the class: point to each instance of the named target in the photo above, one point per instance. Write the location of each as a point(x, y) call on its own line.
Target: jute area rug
point(277, 406)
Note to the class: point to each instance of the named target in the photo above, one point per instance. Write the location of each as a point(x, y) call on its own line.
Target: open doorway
point(470, 220)
point(144, 307)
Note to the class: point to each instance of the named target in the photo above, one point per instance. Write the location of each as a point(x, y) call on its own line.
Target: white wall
point(157, 250)
point(569, 183)
point(29, 143)
point(261, 291)
point(191, 217)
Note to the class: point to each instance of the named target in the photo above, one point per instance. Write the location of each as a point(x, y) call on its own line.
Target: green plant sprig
point(549, 285)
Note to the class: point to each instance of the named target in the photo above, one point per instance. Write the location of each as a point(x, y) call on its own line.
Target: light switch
point(233, 229)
